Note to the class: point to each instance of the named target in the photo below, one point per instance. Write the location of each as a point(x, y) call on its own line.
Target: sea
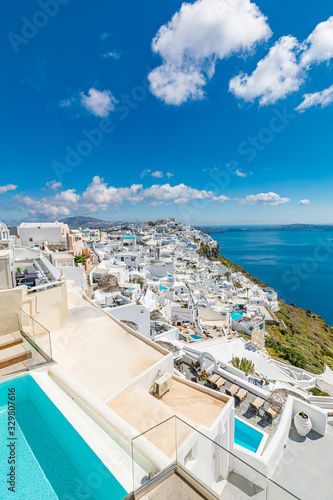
point(297, 264)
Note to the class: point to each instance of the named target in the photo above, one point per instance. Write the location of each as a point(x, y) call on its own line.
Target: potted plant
point(203, 375)
point(302, 423)
point(18, 269)
point(196, 366)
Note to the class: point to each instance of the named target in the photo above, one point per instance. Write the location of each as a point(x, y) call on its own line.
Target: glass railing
point(176, 444)
point(36, 334)
point(24, 343)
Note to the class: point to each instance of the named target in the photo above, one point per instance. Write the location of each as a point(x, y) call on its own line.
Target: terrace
point(241, 409)
point(37, 274)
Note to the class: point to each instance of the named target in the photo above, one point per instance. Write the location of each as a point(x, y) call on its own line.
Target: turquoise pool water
point(162, 287)
point(52, 460)
point(237, 315)
point(196, 336)
point(247, 436)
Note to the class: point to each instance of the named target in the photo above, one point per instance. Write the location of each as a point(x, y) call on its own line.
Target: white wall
point(132, 312)
point(39, 234)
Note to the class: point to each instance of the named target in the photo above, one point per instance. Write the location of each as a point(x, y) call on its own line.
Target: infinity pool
point(52, 461)
point(247, 436)
point(237, 315)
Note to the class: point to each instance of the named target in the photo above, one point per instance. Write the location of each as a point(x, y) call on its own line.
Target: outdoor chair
point(241, 395)
point(271, 414)
point(232, 391)
point(256, 404)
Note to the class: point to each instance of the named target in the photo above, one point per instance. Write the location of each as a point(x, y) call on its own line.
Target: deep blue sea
point(298, 265)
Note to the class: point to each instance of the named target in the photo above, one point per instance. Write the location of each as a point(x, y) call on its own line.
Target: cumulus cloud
point(284, 69)
point(158, 174)
point(240, 174)
point(318, 47)
point(99, 103)
point(304, 202)
point(197, 36)
point(169, 174)
point(264, 199)
point(54, 185)
point(220, 199)
point(7, 187)
point(62, 203)
point(179, 194)
point(276, 76)
point(322, 99)
point(98, 195)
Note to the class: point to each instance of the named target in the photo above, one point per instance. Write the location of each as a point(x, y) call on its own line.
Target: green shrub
point(245, 365)
point(316, 392)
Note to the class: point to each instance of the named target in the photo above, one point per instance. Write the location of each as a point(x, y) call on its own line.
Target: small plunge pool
point(247, 436)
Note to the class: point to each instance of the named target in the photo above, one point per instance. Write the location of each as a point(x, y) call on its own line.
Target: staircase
point(13, 353)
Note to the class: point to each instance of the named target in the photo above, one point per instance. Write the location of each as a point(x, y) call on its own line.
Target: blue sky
point(215, 111)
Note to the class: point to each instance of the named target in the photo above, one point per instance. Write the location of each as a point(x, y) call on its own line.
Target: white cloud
point(98, 195)
point(54, 185)
point(7, 187)
point(145, 172)
point(264, 199)
point(179, 194)
point(304, 202)
point(169, 174)
point(197, 36)
point(220, 199)
point(99, 103)
point(276, 75)
point(285, 67)
point(156, 203)
point(322, 99)
point(240, 174)
point(113, 54)
point(62, 203)
point(158, 174)
point(318, 47)
point(66, 103)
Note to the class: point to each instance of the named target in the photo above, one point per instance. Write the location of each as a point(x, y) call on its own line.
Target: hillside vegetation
point(303, 339)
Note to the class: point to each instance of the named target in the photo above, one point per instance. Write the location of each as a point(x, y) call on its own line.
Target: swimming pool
point(196, 336)
point(247, 436)
point(236, 315)
point(52, 460)
point(162, 287)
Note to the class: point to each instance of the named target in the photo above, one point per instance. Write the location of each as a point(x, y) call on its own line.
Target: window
point(31, 239)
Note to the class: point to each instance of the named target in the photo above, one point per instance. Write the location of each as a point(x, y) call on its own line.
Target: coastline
point(303, 339)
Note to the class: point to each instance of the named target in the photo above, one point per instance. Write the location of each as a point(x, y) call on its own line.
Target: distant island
point(286, 227)
point(89, 222)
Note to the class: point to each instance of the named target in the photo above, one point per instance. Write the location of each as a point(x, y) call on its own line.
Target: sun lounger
point(221, 381)
point(232, 391)
point(214, 378)
point(270, 414)
point(257, 403)
point(241, 395)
